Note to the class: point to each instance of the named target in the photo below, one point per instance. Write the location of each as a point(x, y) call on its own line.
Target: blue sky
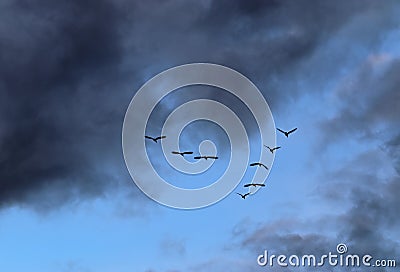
point(69, 71)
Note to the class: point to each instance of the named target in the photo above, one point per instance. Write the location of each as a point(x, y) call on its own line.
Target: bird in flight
point(244, 196)
point(205, 157)
point(155, 139)
point(272, 149)
point(182, 153)
point(287, 132)
point(259, 164)
point(254, 184)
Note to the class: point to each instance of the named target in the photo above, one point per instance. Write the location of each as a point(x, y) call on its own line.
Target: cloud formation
point(70, 69)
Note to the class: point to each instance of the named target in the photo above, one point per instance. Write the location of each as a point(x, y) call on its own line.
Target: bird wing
point(246, 194)
point(176, 152)
point(148, 137)
point(281, 130)
point(253, 164)
point(188, 152)
point(275, 148)
point(197, 157)
point(212, 157)
point(240, 194)
point(293, 130)
point(260, 184)
point(160, 137)
point(247, 185)
point(263, 165)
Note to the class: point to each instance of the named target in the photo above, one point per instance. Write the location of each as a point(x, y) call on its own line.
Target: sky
point(69, 70)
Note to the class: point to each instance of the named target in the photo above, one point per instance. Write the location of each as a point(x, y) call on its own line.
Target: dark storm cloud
point(69, 70)
point(57, 126)
point(61, 67)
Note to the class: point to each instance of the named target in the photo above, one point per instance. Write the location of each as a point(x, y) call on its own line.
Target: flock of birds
point(258, 164)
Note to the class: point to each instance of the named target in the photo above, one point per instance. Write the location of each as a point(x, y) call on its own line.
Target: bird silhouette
point(254, 184)
point(272, 149)
point(287, 132)
point(155, 139)
point(205, 157)
point(182, 153)
point(259, 164)
point(244, 196)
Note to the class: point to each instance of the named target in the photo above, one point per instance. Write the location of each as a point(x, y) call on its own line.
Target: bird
point(254, 184)
point(258, 164)
point(155, 139)
point(182, 153)
point(244, 196)
point(205, 157)
point(287, 132)
point(272, 149)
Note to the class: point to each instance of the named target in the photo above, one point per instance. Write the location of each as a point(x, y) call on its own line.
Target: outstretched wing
point(254, 164)
point(263, 165)
point(240, 194)
point(247, 185)
point(160, 137)
point(275, 148)
point(188, 152)
point(281, 130)
point(293, 130)
point(260, 184)
point(197, 158)
point(176, 152)
point(148, 137)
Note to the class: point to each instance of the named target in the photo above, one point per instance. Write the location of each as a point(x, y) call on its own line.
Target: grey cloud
point(368, 104)
point(283, 237)
point(70, 69)
point(369, 113)
point(373, 216)
point(368, 223)
point(392, 147)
